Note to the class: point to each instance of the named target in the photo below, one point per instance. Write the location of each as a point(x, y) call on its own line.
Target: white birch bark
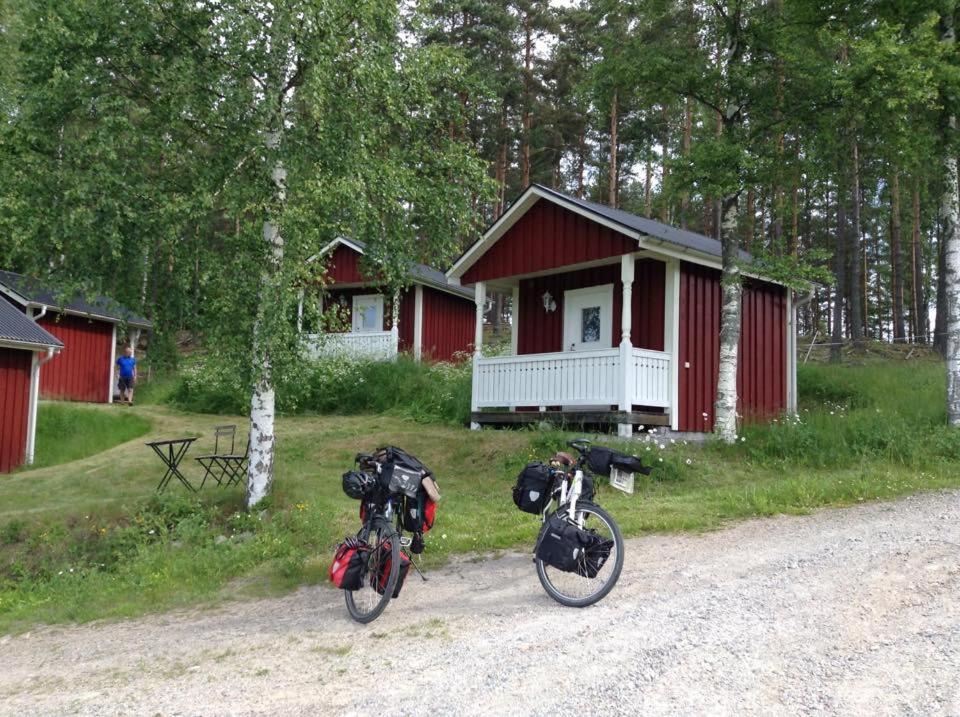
point(949, 211)
point(725, 422)
point(262, 403)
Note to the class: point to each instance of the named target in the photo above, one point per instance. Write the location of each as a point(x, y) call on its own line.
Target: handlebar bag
point(569, 549)
point(349, 562)
point(531, 493)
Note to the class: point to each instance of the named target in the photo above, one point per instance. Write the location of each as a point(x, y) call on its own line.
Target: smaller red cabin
point(431, 318)
point(616, 320)
point(84, 369)
point(24, 347)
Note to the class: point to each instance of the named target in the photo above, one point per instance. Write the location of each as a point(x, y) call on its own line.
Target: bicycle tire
point(369, 601)
point(553, 580)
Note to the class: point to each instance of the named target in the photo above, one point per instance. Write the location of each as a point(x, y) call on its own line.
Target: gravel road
point(851, 611)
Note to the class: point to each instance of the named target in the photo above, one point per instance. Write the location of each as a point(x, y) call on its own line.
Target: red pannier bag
point(385, 570)
point(349, 562)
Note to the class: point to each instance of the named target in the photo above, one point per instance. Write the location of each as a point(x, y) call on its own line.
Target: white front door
point(368, 313)
point(588, 318)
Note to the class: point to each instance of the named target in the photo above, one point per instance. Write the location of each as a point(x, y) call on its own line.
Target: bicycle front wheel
point(380, 577)
point(600, 566)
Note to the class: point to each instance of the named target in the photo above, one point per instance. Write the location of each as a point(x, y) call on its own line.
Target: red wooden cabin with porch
point(616, 320)
point(431, 318)
point(24, 347)
point(84, 369)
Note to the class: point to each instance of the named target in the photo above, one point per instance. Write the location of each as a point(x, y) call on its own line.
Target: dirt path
point(853, 612)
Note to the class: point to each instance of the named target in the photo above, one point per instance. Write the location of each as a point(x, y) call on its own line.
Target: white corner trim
point(791, 355)
point(113, 365)
point(671, 336)
point(418, 322)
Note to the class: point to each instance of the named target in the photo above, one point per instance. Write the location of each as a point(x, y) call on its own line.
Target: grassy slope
point(884, 438)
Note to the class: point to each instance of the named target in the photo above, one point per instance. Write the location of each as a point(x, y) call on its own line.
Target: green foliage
point(68, 432)
point(424, 392)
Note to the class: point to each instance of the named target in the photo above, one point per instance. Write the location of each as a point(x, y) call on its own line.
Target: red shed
point(432, 318)
point(24, 346)
point(88, 330)
point(616, 320)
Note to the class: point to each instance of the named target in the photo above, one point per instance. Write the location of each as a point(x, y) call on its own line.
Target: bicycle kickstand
point(419, 571)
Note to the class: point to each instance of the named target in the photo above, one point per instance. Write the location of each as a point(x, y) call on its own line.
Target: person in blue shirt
point(127, 368)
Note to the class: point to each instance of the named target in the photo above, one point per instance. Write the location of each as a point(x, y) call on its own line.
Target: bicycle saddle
point(563, 458)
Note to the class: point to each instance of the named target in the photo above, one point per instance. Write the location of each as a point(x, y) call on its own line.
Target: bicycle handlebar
point(582, 445)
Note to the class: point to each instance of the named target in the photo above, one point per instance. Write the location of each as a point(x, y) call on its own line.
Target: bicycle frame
point(570, 490)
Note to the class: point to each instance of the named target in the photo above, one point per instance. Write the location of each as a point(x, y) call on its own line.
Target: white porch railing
point(367, 344)
point(648, 373)
point(583, 378)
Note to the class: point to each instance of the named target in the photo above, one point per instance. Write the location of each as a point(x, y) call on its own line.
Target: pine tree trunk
point(726, 406)
point(751, 217)
point(581, 160)
point(896, 258)
point(501, 171)
point(840, 273)
point(687, 136)
point(648, 190)
point(613, 151)
point(940, 320)
point(664, 144)
point(262, 442)
point(527, 112)
point(853, 251)
point(918, 308)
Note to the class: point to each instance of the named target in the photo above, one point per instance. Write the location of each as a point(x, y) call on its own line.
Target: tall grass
point(68, 432)
point(887, 411)
point(424, 392)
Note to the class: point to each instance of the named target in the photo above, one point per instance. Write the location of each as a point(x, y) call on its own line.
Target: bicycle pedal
point(405, 541)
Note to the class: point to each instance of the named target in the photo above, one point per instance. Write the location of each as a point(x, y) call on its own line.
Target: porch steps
point(569, 418)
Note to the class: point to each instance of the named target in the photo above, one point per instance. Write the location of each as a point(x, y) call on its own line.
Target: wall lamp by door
point(548, 302)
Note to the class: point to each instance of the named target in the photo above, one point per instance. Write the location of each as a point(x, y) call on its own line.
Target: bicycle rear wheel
point(579, 588)
point(380, 577)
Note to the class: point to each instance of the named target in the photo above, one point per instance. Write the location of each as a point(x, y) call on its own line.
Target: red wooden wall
point(762, 372)
point(542, 332)
point(14, 406)
point(405, 317)
point(448, 325)
point(82, 370)
point(343, 266)
point(547, 237)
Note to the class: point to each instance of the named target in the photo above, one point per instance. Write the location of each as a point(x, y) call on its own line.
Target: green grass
point(68, 432)
point(865, 432)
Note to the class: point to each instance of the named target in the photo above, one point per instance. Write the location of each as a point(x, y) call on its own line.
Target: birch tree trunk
point(262, 443)
point(951, 237)
point(725, 425)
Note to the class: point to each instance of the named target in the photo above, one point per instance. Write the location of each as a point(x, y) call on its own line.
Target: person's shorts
point(126, 384)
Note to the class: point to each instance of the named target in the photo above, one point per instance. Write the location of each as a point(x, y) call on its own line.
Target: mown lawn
point(89, 539)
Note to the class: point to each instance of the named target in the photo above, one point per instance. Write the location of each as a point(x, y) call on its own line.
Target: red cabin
point(84, 369)
point(616, 320)
point(24, 347)
point(432, 318)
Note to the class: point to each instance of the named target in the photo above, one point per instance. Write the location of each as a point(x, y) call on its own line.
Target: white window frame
point(359, 300)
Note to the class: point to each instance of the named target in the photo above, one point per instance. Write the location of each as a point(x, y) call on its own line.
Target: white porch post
point(480, 297)
point(791, 355)
point(671, 335)
point(300, 312)
point(394, 324)
point(627, 267)
point(113, 365)
point(418, 322)
point(514, 316)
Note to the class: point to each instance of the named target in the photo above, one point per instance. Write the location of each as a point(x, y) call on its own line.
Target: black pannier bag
point(531, 493)
point(600, 460)
point(569, 549)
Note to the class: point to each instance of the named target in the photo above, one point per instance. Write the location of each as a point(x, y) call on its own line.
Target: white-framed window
point(368, 313)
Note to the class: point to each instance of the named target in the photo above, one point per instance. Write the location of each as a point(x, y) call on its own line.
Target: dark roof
point(428, 275)
point(650, 227)
point(16, 327)
point(32, 291)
